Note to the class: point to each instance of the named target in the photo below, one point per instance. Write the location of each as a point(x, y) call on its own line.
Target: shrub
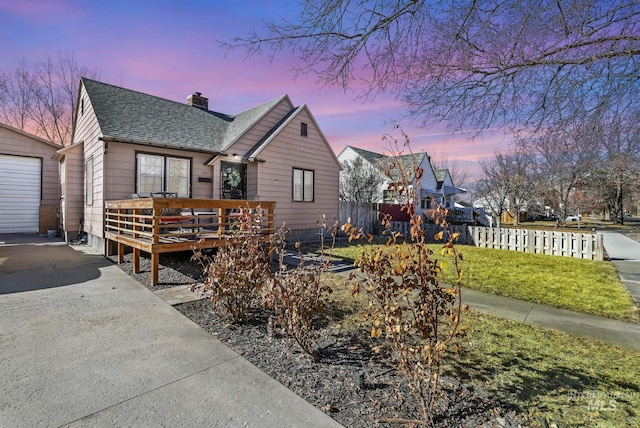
point(235, 275)
point(297, 295)
point(414, 315)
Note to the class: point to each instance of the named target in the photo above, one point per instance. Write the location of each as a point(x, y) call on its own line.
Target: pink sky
point(170, 49)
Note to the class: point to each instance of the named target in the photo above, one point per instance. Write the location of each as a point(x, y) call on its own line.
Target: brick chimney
point(197, 100)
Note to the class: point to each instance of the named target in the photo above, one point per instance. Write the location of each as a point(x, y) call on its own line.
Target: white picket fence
point(568, 244)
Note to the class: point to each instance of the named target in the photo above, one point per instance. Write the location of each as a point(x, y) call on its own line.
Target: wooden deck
point(165, 225)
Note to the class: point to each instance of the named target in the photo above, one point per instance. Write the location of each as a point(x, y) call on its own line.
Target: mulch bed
point(349, 382)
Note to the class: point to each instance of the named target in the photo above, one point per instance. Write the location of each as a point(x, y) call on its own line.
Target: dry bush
point(235, 275)
point(415, 317)
point(297, 295)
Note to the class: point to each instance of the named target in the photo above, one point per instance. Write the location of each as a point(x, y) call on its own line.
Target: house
point(435, 185)
point(29, 183)
point(130, 144)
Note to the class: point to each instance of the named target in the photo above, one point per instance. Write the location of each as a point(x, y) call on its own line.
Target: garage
point(20, 193)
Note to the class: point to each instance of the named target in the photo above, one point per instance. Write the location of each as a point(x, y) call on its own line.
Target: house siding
point(87, 130)
point(121, 177)
point(73, 197)
point(17, 143)
point(255, 170)
point(291, 150)
point(428, 180)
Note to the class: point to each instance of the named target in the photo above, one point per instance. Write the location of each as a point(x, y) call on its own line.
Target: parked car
point(544, 217)
point(573, 218)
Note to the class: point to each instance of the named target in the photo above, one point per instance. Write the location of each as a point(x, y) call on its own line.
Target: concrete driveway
point(83, 344)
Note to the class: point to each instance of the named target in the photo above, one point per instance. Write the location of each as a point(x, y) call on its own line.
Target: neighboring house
point(29, 183)
point(127, 143)
point(435, 185)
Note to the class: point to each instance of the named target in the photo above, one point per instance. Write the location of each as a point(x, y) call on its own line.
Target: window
point(89, 181)
point(302, 185)
point(158, 173)
point(303, 129)
point(427, 203)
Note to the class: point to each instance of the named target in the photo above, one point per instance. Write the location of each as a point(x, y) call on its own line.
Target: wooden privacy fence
point(363, 215)
point(568, 244)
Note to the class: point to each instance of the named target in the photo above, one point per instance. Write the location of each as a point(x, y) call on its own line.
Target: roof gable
point(26, 134)
point(281, 125)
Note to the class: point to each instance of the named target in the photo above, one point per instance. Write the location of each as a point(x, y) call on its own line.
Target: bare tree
point(614, 177)
point(506, 185)
point(474, 64)
point(360, 182)
point(560, 162)
point(459, 173)
point(42, 98)
point(17, 97)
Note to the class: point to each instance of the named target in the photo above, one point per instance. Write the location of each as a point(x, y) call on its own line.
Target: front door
point(233, 182)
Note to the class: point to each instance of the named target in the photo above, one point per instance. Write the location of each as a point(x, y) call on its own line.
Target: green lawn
point(543, 374)
point(580, 285)
point(548, 375)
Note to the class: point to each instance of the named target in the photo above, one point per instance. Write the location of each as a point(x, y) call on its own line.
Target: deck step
point(177, 295)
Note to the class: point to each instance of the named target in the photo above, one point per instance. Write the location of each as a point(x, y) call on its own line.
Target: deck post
point(136, 260)
point(221, 221)
point(120, 252)
point(155, 260)
point(136, 251)
point(155, 257)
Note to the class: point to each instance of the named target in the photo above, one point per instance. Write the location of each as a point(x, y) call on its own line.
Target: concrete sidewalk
point(83, 344)
point(615, 332)
point(625, 254)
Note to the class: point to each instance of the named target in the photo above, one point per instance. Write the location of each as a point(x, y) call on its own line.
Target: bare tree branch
point(41, 99)
point(473, 64)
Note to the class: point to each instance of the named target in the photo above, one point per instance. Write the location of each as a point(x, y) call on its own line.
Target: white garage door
point(19, 194)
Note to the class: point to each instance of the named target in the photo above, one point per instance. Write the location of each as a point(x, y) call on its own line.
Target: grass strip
point(548, 375)
point(587, 286)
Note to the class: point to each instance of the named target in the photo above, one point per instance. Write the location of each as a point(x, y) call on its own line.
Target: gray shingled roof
point(441, 174)
point(371, 157)
point(129, 115)
point(408, 162)
point(383, 162)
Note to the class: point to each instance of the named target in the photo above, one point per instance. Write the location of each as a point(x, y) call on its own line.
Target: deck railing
point(161, 225)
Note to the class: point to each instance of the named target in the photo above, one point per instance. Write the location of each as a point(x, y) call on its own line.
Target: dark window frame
point(304, 187)
point(165, 174)
point(304, 129)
